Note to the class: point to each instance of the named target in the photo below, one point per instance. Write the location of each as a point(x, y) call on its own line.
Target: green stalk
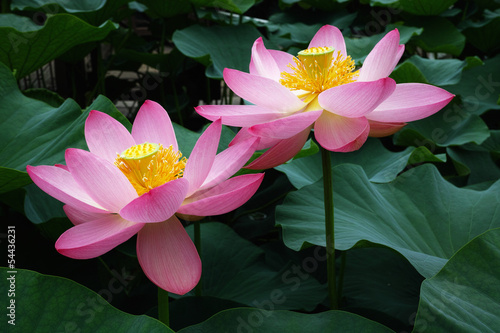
point(163, 312)
point(197, 243)
point(329, 227)
point(341, 275)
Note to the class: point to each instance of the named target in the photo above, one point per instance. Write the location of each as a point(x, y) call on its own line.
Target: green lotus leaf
point(46, 303)
point(26, 46)
point(463, 296)
point(261, 321)
point(419, 214)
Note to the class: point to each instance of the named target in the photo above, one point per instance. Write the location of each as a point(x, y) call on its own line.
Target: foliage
point(417, 214)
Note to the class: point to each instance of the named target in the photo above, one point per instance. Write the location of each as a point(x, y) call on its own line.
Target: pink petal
point(168, 257)
point(262, 62)
point(62, 166)
point(102, 180)
point(382, 59)
point(224, 197)
point(399, 54)
point(152, 124)
point(105, 136)
point(60, 184)
point(287, 127)
point(243, 135)
point(334, 132)
point(282, 59)
point(238, 115)
point(94, 238)
point(356, 143)
point(78, 216)
point(356, 99)
point(411, 101)
point(379, 129)
point(157, 205)
point(262, 91)
point(281, 152)
point(231, 160)
point(331, 36)
point(202, 157)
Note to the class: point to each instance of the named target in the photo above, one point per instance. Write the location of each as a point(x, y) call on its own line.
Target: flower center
point(149, 165)
point(318, 69)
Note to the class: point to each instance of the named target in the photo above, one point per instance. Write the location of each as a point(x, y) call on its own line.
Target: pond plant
point(250, 166)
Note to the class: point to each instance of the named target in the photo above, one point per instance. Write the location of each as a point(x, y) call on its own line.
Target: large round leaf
point(33, 132)
point(46, 303)
point(437, 72)
point(440, 35)
point(218, 47)
point(452, 126)
point(478, 89)
point(420, 215)
point(260, 321)
point(380, 284)
point(236, 6)
point(380, 164)
point(93, 12)
point(485, 34)
point(426, 7)
point(463, 296)
point(236, 269)
point(26, 46)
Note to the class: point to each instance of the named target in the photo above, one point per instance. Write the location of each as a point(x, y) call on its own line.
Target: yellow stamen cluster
point(318, 69)
point(149, 165)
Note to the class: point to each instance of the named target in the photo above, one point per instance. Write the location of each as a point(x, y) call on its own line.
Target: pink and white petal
point(356, 144)
point(94, 238)
point(262, 91)
point(60, 184)
point(287, 127)
point(228, 162)
point(63, 166)
point(411, 101)
point(243, 135)
point(262, 62)
point(238, 115)
point(78, 216)
point(202, 157)
point(105, 136)
point(334, 132)
point(282, 59)
point(379, 129)
point(381, 61)
point(157, 205)
point(101, 179)
point(356, 99)
point(152, 124)
point(331, 36)
point(281, 152)
point(168, 257)
point(399, 54)
point(222, 198)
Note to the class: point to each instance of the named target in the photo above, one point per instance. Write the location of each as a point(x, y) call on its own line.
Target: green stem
point(329, 227)
point(163, 312)
point(341, 274)
point(197, 243)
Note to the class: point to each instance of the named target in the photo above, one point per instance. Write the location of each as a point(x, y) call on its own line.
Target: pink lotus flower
point(321, 89)
point(136, 182)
